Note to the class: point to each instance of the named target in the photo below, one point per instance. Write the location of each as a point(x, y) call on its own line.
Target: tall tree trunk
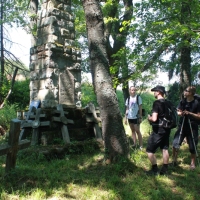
point(2, 48)
point(185, 59)
point(112, 127)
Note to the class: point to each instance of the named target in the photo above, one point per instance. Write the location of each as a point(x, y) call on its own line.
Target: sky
point(22, 48)
point(22, 44)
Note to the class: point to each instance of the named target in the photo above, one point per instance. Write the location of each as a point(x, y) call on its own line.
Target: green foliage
point(162, 30)
point(87, 94)
point(147, 101)
point(4, 89)
point(173, 95)
point(121, 101)
point(7, 113)
point(21, 94)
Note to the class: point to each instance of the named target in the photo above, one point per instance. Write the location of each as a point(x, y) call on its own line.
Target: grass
point(84, 176)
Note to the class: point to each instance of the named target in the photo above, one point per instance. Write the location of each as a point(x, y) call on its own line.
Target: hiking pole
point(197, 156)
point(178, 146)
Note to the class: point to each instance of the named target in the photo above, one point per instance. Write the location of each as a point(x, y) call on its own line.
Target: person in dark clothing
point(159, 137)
point(189, 110)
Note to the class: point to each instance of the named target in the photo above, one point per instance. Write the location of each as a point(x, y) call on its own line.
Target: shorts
point(133, 121)
point(186, 133)
point(157, 140)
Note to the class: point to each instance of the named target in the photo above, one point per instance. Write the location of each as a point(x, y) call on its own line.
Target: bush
point(87, 94)
point(7, 113)
point(20, 95)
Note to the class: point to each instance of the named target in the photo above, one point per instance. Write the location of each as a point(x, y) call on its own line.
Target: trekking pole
point(197, 156)
point(178, 146)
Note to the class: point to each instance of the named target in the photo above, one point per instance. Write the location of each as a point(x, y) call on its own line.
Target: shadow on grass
point(86, 176)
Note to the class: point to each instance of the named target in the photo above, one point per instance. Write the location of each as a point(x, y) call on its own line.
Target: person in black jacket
point(189, 110)
point(159, 137)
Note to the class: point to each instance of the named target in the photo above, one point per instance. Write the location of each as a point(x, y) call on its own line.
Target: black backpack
point(170, 118)
point(143, 110)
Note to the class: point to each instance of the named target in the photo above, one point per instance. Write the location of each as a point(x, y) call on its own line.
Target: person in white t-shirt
point(134, 115)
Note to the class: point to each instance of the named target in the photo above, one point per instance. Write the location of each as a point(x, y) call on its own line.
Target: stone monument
point(55, 77)
point(55, 62)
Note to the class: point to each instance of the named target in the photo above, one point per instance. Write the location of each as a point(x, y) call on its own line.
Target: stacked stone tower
point(55, 62)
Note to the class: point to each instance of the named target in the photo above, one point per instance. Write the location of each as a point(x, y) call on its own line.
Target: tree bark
point(2, 48)
point(115, 140)
point(185, 58)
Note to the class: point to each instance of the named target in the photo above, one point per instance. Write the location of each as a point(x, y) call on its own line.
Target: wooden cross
point(64, 121)
point(13, 145)
point(95, 119)
point(35, 125)
point(27, 115)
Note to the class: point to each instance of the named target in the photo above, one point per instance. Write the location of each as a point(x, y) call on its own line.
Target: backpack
point(170, 115)
point(143, 110)
point(170, 118)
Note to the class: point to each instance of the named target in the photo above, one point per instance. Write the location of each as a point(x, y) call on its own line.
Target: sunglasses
point(187, 91)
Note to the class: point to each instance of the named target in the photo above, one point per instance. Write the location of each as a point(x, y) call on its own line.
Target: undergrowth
point(84, 175)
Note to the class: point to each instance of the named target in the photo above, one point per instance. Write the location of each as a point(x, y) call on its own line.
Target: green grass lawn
point(84, 176)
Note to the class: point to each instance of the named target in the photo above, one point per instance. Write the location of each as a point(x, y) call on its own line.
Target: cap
point(159, 88)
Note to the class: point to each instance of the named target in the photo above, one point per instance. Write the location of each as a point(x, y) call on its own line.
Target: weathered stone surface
point(54, 58)
point(66, 88)
point(34, 85)
point(46, 73)
point(44, 31)
point(33, 95)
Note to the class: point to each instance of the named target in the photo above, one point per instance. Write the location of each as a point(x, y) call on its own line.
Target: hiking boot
point(152, 172)
point(163, 171)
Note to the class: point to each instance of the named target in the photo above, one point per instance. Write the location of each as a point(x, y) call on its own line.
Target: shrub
point(87, 94)
point(20, 95)
point(7, 113)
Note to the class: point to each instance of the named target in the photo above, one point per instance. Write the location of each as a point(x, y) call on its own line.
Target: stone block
point(48, 83)
point(46, 73)
point(33, 57)
point(34, 85)
point(42, 85)
point(65, 32)
point(33, 95)
point(70, 43)
point(33, 50)
point(32, 65)
point(75, 66)
point(34, 75)
point(45, 94)
point(47, 21)
point(68, 50)
point(66, 88)
point(49, 103)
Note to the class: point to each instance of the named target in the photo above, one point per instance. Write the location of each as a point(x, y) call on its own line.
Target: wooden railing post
point(13, 142)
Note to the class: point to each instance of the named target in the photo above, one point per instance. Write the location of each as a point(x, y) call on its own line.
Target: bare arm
point(195, 115)
point(153, 117)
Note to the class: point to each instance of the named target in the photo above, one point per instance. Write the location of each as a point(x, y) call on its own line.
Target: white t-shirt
point(133, 106)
